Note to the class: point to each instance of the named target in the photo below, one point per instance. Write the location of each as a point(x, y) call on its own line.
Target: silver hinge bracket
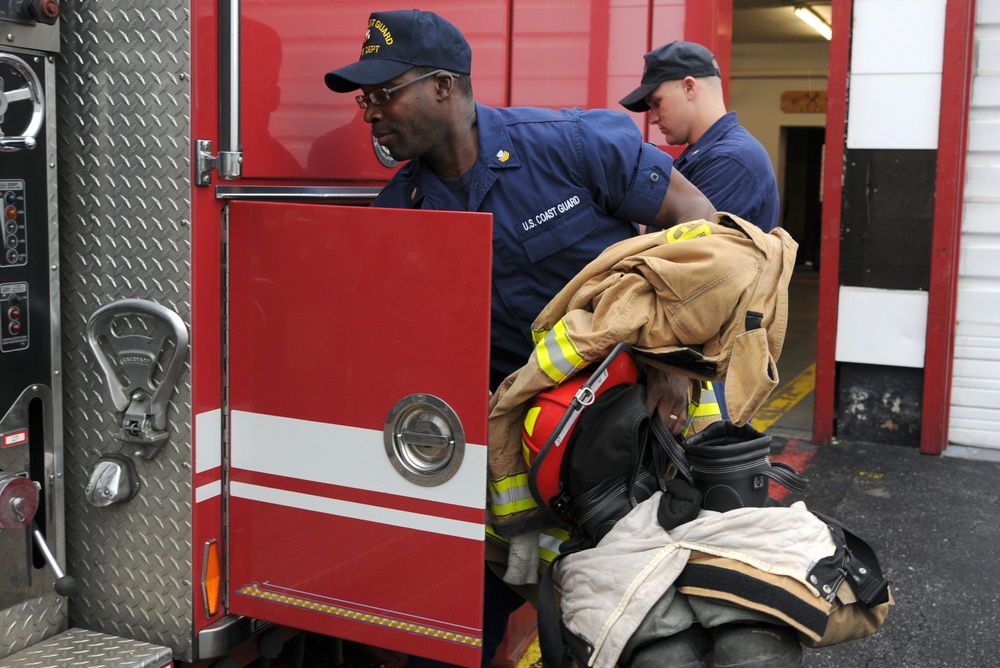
point(227, 163)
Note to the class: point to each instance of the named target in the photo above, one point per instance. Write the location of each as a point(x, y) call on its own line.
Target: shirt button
point(654, 177)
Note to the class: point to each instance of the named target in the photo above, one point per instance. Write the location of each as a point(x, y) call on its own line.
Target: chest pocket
point(558, 228)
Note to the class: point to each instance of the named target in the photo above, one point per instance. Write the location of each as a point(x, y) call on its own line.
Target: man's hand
point(667, 396)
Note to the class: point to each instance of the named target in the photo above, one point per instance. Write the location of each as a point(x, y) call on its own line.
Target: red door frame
point(829, 269)
point(956, 98)
point(956, 86)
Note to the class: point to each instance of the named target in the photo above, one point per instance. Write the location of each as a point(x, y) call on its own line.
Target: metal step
point(89, 649)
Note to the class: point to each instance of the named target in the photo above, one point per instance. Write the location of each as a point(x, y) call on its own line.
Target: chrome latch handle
point(133, 339)
point(31, 91)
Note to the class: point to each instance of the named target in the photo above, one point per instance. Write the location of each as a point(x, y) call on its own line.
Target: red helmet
point(552, 415)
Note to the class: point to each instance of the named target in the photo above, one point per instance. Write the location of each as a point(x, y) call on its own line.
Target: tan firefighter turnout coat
point(707, 299)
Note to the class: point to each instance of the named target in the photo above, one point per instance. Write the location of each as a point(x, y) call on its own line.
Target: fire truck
point(237, 403)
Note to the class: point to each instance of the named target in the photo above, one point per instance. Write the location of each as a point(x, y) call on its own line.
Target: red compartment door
point(345, 324)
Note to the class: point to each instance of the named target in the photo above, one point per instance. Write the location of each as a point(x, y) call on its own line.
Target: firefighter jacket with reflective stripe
point(608, 590)
point(707, 299)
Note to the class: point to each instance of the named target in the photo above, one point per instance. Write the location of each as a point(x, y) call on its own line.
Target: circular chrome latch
point(383, 155)
point(424, 440)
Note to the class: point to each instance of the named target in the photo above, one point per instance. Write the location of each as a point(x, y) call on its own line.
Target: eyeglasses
point(381, 96)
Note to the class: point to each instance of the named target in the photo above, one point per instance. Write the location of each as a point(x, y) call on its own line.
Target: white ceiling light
point(815, 21)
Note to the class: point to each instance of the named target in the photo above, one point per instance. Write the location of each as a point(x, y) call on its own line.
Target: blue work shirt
point(562, 186)
point(733, 170)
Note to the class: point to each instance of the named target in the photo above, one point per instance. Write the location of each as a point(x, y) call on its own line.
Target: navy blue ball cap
point(398, 40)
point(670, 62)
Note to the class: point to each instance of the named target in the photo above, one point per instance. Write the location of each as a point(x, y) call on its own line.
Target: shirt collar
point(713, 134)
point(496, 151)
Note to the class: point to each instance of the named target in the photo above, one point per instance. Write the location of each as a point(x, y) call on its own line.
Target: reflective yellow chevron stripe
point(557, 355)
point(510, 495)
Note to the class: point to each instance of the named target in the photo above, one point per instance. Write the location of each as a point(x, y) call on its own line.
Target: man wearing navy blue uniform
point(681, 89)
point(562, 186)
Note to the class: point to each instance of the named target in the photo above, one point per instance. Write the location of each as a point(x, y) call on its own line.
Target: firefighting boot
point(685, 649)
point(731, 466)
point(756, 646)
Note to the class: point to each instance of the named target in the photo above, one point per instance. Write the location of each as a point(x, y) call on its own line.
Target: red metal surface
point(572, 66)
point(833, 171)
point(336, 313)
point(556, 54)
point(956, 95)
point(293, 125)
point(206, 291)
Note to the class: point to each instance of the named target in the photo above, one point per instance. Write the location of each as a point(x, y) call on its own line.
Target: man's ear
point(690, 85)
point(445, 86)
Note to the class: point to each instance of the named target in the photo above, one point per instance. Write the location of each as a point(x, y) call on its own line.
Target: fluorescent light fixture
point(814, 20)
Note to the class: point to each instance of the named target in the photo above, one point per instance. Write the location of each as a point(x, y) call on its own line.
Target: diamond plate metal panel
point(89, 649)
point(124, 126)
point(31, 622)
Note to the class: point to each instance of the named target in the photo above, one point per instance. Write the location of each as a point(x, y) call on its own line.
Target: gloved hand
point(522, 559)
point(680, 503)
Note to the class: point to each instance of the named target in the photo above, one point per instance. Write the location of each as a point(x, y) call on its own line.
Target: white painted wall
point(975, 390)
point(894, 98)
point(895, 84)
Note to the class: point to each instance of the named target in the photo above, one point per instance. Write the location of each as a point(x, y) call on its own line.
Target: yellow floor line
point(532, 655)
point(785, 399)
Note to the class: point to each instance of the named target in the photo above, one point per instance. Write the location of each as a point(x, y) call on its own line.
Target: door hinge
point(227, 163)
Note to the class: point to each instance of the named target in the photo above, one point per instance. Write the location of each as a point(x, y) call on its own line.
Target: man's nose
point(372, 113)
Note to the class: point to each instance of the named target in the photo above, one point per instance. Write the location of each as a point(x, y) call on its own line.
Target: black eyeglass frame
point(382, 95)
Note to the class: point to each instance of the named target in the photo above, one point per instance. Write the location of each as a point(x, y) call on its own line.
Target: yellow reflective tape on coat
point(549, 541)
point(703, 411)
point(708, 404)
point(510, 495)
point(686, 231)
point(557, 355)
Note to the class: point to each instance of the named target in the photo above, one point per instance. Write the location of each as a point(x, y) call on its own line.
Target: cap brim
point(636, 100)
point(364, 73)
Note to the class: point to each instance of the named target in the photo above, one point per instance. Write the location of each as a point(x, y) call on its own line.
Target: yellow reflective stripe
point(686, 231)
point(549, 541)
point(708, 405)
point(510, 495)
point(557, 354)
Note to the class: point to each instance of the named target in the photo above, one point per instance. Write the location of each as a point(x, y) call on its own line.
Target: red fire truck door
point(358, 378)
